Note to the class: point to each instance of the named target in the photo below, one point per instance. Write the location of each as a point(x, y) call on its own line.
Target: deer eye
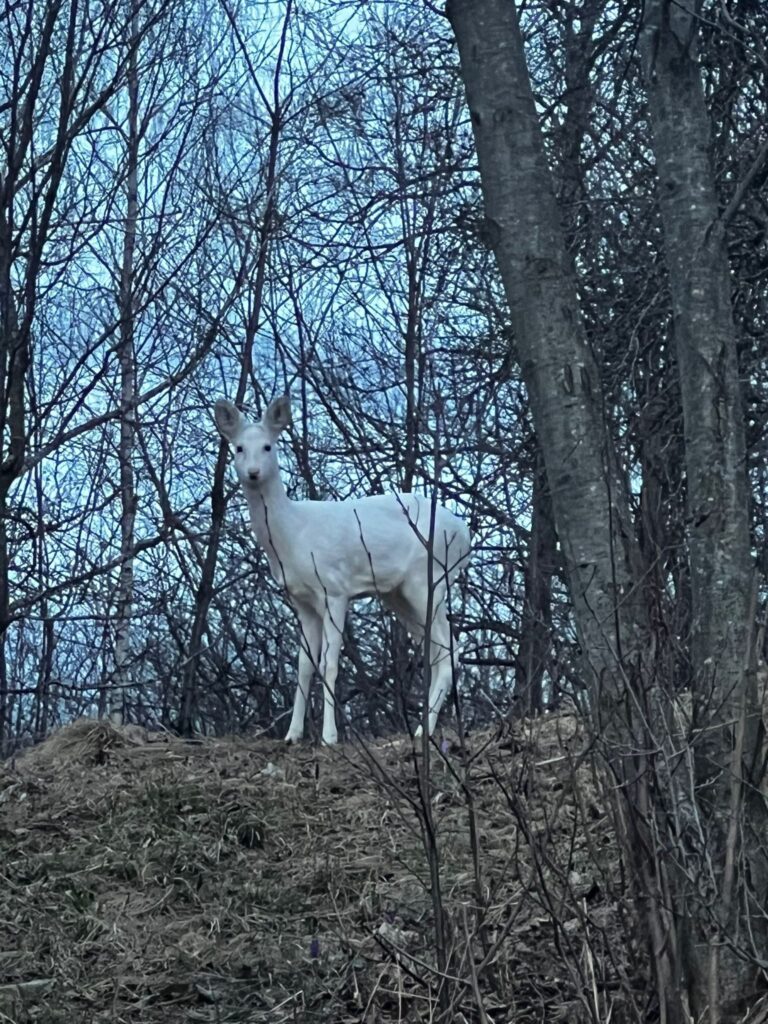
point(267, 447)
point(239, 449)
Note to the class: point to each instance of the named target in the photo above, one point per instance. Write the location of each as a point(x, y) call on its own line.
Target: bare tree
point(276, 106)
point(727, 717)
point(46, 86)
point(558, 365)
point(126, 359)
point(594, 513)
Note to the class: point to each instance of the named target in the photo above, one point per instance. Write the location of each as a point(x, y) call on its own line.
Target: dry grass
point(146, 879)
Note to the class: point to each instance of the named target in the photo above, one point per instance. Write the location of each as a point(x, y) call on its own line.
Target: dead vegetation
point(148, 879)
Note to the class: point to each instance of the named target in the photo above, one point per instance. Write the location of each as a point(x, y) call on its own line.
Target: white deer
point(325, 553)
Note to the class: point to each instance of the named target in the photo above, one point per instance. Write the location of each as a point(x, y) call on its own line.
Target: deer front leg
point(442, 662)
point(333, 632)
point(310, 635)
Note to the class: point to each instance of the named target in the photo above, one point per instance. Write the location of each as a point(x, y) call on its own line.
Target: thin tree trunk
point(717, 495)
point(8, 394)
point(125, 354)
point(14, 360)
point(48, 623)
point(536, 626)
point(43, 690)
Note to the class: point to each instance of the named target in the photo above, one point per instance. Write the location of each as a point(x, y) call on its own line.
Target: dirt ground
point(148, 879)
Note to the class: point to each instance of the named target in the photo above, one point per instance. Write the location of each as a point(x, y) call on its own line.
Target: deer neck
point(270, 511)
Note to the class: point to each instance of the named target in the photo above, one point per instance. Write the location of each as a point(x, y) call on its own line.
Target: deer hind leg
point(310, 635)
point(440, 649)
point(333, 633)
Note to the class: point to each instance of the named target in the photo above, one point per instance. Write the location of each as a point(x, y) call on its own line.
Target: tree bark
point(558, 367)
point(724, 698)
point(126, 358)
point(589, 496)
point(11, 414)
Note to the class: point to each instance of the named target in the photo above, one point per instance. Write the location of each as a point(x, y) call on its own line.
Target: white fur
point(326, 553)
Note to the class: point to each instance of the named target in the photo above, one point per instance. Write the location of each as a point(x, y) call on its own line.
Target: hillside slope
point(148, 879)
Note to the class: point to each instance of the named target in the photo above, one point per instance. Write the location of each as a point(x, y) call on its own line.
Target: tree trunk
point(557, 364)
point(718, 510)
point(14, 361)
point(536, 626)
point(589, 497)
point(125, 354)
point(9, 397)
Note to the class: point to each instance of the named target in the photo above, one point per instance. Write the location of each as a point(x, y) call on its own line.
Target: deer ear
point(228, 419)
point(278, 415)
